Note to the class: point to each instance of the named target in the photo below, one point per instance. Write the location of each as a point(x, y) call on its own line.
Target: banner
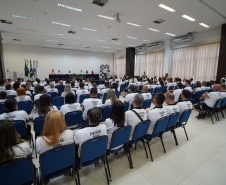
point(31, 70)
point(37, 72)
point(26, 70)
point(34, 70)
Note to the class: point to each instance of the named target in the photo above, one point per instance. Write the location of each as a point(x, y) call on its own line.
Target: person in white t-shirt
point(176, 92)
point(91, 102)
point(157, 112)
point(170, 83)
point(54, 134)
point(40, 90)
point(197, 88)
point(116, 120)
point(129, 97)
point(2, 85)
point(223, 91)
point(70, 105)
point(10, 91)
point(209, 102)
point(3, 96)
point(51, 88)
point(171, 107)
point(185, 104)
point(131, 115)
point(105, 90)
point(14, 147)
point(21, 95)
point(95, 129)
point(44, 107)
point(67, 89)
point(81, 91)
point(145, 93)
point(111, 98)
point(203, 86)
point(188, 85)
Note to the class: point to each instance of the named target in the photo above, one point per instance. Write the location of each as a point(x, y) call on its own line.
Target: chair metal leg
point(185, 132)
point(129, 156)
point(108, 169)
point(76, 178)
point(211, 118)
point(135, 146)
point(145, 149)
point(149, 148)
point(175, 137)
point(222, 113)
point(77, 172)
point(162, 143)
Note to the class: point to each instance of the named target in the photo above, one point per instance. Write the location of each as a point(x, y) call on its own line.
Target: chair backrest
point(163, 89)
point(117, 94)
point(98, 95)
point(52, 94)
point(18, 171)
point(217, 103)
point(1, 108)
point(55, 161)
point(184, 117)
point(173, 118)
point(122, 87)
point(150, 90)
point(11, 96)
point(140, 130)
point(104, 97)
point(73, 119)
point(38, 125)
point(171, 87)
point(126, 84)
point(180, 98)
point(140, 87)
point(223, 102)
point(156, 90)
point(36, 102)
point(106, 112)
point(120, 136)
point(147, 103)
point(58, 101)
point(126, 106)
point(197, 95)
point(93, 149)
point(25, 105)
point(21, 128)
point(82, 97)
point(160, 126)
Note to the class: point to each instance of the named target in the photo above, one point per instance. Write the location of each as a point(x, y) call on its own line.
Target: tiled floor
point(199, 161)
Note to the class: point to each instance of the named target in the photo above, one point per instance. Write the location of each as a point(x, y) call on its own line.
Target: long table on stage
point(67, 76)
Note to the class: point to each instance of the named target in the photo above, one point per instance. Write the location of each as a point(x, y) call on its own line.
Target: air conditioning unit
point(182, 39)
point(100, 2)
point(140, 48)
point(154, 45)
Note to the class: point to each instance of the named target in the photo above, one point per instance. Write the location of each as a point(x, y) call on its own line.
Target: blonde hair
point(51, 84)
point(54, 126)
point(28, 86)
point(67, 88)
point(111, 95)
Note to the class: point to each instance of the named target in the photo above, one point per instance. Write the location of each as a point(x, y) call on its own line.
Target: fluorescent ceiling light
point(204, 25)
point(99, 40)
point(188, 18)
point(105, 47)
point(170, 34)
point(22, 17)
point(89, 29)
point(131, 37)
point(153, 29)
point(52, 41)
point(146, 41)
point(131, 45)
point(60, 34)
point(132, 24)
point(26, 30)
point(106, 17)
point(166, 8)
point(69, 7)
point(61, 24)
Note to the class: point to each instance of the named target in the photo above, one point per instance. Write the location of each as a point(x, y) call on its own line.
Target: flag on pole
point(31, 70)
point(37, 72)
point(26, 70)
point(34, 70)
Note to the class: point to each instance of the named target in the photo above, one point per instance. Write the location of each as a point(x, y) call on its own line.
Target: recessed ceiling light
point(99, 40)
point(59, 34)
point(131, 37)
point(153, 29)
point(146, 41)
point(170, 34)
point(188, 18)
point(62, 24)
point(116, 42)
point(69, 7)
point(204, 25)
point(131, 45)
point(106, 17)
point(89, 29)
point(132, 24)
point(52, 41)
point(166, 8)
point(112, 33)
point(105, 47)
point(22, 17)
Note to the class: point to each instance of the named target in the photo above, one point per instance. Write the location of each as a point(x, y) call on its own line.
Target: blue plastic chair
point(18, 171)
point(58, 102)
point(22, 130)
point(150, 90)
point(1, 108)
point(157, 132)
point(26, 106)
point(183, 120)
point(56, 162)
point(122, 87)
point(222, 106)
point(120, 140)
point(106, 112)
point(155, 91)
point(117, 94)
point(104, 97)
point(195, 99)
point(126, 84)
point(11, 96)
point(83, 97)
point(91, 152)
point(73, 119)
point(163, 89)
point(147, 103)
point(36, 102)
point(52, 94)
point(214, 110)
point(172, 122)
point(171, 87)
point(140, 88)
point(126, 106)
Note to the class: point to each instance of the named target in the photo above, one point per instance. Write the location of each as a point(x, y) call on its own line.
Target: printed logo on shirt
point(83, 92)
point(95, 133)
point(72, 107)
point(189, 106)
point(141, 114)
point(175, 109)
point(162, 113)
point(22, 98)
point(94, 103)
point(10, 117)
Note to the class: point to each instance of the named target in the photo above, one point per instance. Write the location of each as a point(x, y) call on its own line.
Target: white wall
point(49, 59)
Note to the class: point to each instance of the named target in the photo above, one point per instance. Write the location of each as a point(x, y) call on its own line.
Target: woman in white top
point(28, 88)
point(53, 134)
point(197, 88)
point(52, 88)
point(21, 95)
point(111, 98)
point(11, 146)
point(44, 107)
point(70, 105)
point(116, 120)
point(67, 89)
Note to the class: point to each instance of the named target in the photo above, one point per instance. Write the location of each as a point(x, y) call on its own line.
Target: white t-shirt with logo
point(34, 113)
point(37, 96)
point(15, 115)
point(177, 94)
point(2, 88)
point(133, 120)
point(129, 98)
point(65, 138)
point(198, 89)
point(212, 98)
point(22, 150)
point(23, 98)
point(50, 90)
point(223, 95)
point(70, 108)
point(11, 92)
point(170, 109)
point(28, 93)
point(154, 115)
point(147, 96)
point(184, 105)
point(80, 92)
point(107, 103)
point(87, 133)
point(89, 104)
point(188, 88)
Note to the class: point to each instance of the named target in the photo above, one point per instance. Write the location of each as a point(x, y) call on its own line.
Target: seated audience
point(39, 91)
point(129, 97)
point(10, 91)
point(188, 85)
point(198, 87)
point(222, 91)
point(2, 85)
point(146, 95)
point(103, 91)
point(51, 88)
point(3, 96)
point(67, 90)
point(54, 133)
point(185, 104)
point(21, 95)
point(203, 86)
point(171, 107)
point(111, 98)
point(177, 92)
point(81, 91)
